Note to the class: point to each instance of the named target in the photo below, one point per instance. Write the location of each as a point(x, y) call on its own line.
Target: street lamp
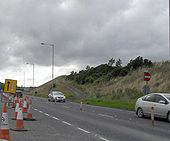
point(51, 45)
point(32, 73)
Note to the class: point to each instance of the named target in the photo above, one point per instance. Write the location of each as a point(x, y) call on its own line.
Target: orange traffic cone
point(19, 121)
point(24, 110)
point(13, 102)
point(16, 108)
point(4, 131)
point(29, 115)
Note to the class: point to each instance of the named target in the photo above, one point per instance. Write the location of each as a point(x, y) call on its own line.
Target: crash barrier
point(152, 116)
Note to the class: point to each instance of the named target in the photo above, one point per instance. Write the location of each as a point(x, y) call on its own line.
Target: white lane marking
point(83, 130)
point(46, 114)
point(35, 109)
point(66, 123)
point(103, 139)
point(55, 118)
point(103, 115)
point(40, 111)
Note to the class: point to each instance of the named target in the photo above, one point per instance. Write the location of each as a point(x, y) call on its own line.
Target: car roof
point(18, 91)
point(57, 92)
point(161, 93)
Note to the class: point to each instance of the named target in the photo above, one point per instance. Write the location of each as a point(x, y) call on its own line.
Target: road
point(65, 122)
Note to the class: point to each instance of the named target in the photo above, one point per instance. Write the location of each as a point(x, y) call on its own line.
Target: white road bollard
point(81, 106)
point(152, 115)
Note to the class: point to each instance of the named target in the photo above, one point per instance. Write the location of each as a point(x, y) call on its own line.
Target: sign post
point(147, 78)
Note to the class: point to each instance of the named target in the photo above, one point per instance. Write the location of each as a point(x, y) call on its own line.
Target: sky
point(84, 32)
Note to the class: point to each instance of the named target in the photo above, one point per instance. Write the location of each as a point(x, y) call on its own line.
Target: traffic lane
point(107, 112)
point(121, 130)
point(100, 125)
point(47, 128)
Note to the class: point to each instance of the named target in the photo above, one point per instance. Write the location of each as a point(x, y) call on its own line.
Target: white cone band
point(25, 104)
point(29, 109)
point(4, 121)
point(17, 107)
point(20, 114)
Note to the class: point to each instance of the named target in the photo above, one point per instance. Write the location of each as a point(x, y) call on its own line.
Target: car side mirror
point(162, 102)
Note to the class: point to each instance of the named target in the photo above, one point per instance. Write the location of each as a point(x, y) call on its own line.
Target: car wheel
point(48, 99)
point(168, 116)
point(64, 100)
point(140, 113)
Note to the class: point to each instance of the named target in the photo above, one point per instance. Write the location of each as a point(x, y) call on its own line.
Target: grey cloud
point(84, 32)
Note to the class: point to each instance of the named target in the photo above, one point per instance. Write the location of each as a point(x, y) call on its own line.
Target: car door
point(148, 102)
point(160, 108)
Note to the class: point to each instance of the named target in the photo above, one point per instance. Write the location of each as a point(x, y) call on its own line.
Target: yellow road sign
point(10, 86)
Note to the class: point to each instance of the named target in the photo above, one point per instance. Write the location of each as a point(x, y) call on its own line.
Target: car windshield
point(57, 93)
point(167, 96)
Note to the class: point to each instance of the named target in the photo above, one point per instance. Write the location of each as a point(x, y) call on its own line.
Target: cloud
point(87, 32)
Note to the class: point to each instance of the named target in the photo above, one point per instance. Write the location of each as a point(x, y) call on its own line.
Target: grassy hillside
point(119, 92)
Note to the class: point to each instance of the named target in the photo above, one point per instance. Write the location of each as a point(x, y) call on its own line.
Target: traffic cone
point(19, 121)
point(4, 131)
point(13, 102)
point(24, 110)
point(16, 109)
point(29, 115)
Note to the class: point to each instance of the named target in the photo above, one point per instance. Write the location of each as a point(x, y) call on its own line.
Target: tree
point(119, 63)
point(111, 62)
point(87, 67)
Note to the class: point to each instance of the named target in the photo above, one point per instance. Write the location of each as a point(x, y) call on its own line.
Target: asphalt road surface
point(65, 122)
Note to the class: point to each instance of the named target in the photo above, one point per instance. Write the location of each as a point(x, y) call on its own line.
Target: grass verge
point(120, 104)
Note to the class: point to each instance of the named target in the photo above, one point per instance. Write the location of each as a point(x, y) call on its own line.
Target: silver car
point(159, 101)
point(56, 96)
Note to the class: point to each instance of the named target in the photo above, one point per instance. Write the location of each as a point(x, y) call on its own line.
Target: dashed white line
point(55, 118)
point(40, 111)
point(103, 115)
point(103, 139)
point(83, 130)
point(66, 123)
point(46, 114)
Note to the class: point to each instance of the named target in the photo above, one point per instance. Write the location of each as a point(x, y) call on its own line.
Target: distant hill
point(107, 82)
point(117, 92)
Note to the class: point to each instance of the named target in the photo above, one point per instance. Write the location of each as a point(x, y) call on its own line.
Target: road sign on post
point(147, 76)
point(10, 86)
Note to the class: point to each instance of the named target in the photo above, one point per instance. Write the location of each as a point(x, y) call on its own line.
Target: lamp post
point(52, 59)
point(32, 73)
